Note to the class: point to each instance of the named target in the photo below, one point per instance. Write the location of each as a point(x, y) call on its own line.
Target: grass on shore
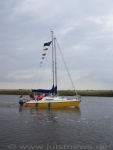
point(103, 93)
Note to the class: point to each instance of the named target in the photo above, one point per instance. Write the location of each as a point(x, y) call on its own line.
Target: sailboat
point(50, 98)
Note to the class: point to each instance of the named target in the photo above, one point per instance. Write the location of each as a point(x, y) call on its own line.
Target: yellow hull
point(54, 104)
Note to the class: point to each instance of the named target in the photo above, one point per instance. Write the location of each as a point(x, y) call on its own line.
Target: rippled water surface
point(90, 126)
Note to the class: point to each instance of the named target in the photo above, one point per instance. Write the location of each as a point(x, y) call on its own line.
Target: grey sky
point(84, 31)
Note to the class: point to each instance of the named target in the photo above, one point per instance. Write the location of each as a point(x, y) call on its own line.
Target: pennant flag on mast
point(44, 54)
point(40, 64)
point(45, 49)
point(47, 44)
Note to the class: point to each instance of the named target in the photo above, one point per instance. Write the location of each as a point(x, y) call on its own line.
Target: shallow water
point(89, 126)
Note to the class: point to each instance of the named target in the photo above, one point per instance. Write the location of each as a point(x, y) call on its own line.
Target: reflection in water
point(48, 122)
point(63, 110)
point(50, 112)
point(45, 116)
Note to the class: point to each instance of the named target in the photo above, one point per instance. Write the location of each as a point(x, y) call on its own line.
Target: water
point(88, 127)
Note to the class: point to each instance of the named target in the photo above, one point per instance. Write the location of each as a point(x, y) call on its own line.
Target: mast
point(52, 58)
point(55, 64)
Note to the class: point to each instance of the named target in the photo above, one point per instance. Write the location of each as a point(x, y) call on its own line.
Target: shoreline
point(102, 93)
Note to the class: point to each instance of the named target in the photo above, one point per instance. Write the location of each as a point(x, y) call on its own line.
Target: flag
point(45, 49)
point(44, 54)
point(40, 64)
point(47, 44)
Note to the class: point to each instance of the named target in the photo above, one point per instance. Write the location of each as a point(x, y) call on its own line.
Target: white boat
point(52, 100)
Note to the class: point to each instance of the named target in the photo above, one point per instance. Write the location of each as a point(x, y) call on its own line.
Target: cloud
point(84, 31)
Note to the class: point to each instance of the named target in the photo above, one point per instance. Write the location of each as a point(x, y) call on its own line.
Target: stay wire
point(66, 68)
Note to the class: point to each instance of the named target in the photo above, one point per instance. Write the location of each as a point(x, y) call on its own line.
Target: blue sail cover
point(53, 90)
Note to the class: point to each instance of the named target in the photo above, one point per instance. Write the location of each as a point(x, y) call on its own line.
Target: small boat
point(50, 97)
point(54, 102)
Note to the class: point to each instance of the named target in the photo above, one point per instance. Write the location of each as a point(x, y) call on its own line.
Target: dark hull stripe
point(36, 105)
point(49, 105)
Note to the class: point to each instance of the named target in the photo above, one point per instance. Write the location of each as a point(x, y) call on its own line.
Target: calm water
point(88, 127)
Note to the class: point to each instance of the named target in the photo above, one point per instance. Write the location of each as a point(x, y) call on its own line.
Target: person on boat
point(21, 97)
point(32, 96)
point(40, 97)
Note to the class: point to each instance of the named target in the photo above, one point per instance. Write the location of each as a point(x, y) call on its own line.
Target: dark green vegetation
point(15, 91)
point(104, 93)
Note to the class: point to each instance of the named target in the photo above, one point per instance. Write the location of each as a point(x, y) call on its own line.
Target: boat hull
point(53, 104)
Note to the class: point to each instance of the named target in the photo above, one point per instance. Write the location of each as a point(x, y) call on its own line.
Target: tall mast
point(55, 64)
point(52, 58)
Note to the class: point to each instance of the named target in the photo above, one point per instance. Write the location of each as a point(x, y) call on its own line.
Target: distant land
point(102, 93)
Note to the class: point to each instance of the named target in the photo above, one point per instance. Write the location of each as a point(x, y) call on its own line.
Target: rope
point(66, 68)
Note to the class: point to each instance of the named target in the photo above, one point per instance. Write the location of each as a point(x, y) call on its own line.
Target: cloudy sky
point(84, 32)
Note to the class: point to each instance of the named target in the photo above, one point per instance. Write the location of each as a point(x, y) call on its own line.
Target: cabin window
point(48, 99)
